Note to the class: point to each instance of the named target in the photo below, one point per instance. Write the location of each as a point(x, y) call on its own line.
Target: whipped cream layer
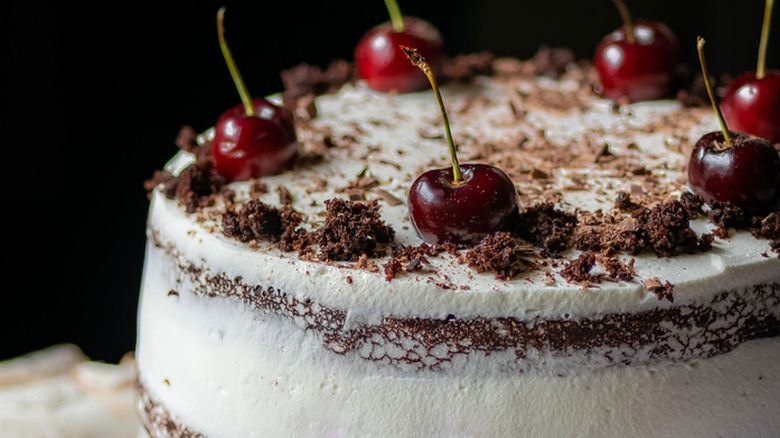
point(222, 366)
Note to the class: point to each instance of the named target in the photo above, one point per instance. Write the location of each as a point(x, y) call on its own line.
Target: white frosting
point(226, 370)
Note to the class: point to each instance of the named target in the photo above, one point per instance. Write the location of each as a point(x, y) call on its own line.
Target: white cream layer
point(226, 370)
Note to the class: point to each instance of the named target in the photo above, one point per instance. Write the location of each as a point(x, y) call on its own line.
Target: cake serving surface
point(305, 304)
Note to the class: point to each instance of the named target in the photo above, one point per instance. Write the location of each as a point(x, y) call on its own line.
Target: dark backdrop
point(94, 97)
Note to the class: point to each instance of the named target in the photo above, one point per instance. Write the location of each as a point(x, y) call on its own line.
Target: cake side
point(219, 366)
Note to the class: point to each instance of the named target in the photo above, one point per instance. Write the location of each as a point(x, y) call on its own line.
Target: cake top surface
point(607, 220)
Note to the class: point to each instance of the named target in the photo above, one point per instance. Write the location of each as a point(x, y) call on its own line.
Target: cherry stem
point(761, 67)
point(395, 15)
point(627, 22)
point(418, 61)
point(700, 49)
point(249, 108)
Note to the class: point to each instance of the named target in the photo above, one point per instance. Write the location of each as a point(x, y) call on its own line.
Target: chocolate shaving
point(578, 270)
point(663, 291)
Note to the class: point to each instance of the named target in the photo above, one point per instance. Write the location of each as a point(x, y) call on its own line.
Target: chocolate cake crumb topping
point(551, 62)
point(463, 68)
point(767, 228)
point(547, 227)
point(669, 232)
point(500, 253)
point(187, 140)
point(259, 221)
point(293, 238)
point(692, 204)
point(303, 80)
point(195, 187)
point(352, 229)
point(726, 215)
point(255, 220)
point(664, 229)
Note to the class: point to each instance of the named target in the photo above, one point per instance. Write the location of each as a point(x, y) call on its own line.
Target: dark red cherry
point(746, 174)
point(385, 68)
point(642, 69)
point(752, 105)
point(483, 202)
point(253, 146)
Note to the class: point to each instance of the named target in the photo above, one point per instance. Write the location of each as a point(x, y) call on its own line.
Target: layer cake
point(304, 304)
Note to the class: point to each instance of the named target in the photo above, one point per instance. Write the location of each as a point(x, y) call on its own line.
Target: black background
point(94, 96)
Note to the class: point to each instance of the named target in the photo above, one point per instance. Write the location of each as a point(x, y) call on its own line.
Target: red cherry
point(384, 68)
point(254, 139)
point(746, 174)
point(638, 68)
point(484, 202)
point(253, 146)
point(459, 204)
point(752, 105)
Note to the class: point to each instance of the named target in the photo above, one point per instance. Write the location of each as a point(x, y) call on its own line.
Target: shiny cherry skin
point(644, 70)
point(484, 202)
point(752, 105)
point(747, 174)
point(385, 68)
point(247, 147)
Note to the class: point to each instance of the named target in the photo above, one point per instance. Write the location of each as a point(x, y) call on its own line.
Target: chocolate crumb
point(303, 80)
point(500, 253)
point(692, 204)
point(552, 62)
point(255, 220)
point(195, 187)
point(726, 215)
point(767, 228)
point(463, 68)
point(669, 232)
point(187, 140)
point(351, 230)
point(547, 227)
